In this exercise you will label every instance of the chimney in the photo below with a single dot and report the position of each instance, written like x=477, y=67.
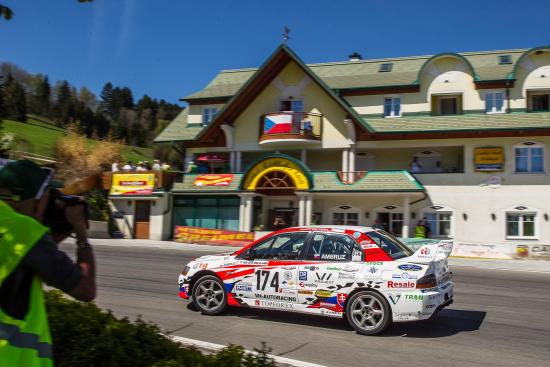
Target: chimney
x=355, y=57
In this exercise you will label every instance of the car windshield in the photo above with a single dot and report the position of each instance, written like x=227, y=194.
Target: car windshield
x=391, y=245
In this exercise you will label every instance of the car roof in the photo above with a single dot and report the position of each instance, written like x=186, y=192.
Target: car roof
x=328, y=226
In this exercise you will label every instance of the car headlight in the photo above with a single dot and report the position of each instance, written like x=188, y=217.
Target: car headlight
x=185, y=270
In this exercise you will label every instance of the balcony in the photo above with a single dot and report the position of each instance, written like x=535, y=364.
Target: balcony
x=163, y=179
x=291, y=127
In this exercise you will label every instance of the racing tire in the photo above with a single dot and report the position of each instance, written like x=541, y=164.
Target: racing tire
x=209, y=296
x=368, y=312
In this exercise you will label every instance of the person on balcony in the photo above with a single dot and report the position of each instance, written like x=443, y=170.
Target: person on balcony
x=114, y=166
x=308, y=128
x=156, y=165
x=128, y=167
x=415, y=166
x=420, y=230
x=191, y=167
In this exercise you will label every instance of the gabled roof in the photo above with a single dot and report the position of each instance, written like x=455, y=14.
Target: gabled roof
x=260, y=80
x=178, y=130
x=373, y=181
x=365, y=73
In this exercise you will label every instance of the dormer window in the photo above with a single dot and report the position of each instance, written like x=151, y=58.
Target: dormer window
x=208, y=114
x=292, y=105
x=385, y=67
x=494, y=102
x=392, y=106
x=504, y=59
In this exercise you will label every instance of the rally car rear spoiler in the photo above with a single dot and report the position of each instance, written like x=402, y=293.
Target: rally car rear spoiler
x=430, y=253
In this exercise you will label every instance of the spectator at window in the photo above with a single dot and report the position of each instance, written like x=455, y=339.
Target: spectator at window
x=415, y=166
x=128, y=167
x=141, y=167
x=438, y=167
x=114, y=167
x=156, y=165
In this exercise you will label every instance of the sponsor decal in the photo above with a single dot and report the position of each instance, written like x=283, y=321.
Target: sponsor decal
x=288, y=268
x=326, y=304
x=425, y=251
x=288, y=275
x=403, y=276
x=311, y=268
x=213, y=180
x=307, y=285
x=429, y=290
x=302, y=275
x=327, y=312
x=323, y=278
x=342, y=275
x=409, y=267
x=200, y=266
x=373, y=269
x=304, y=291
x=276, y=297
x=322, y=293
x=334, y=268
x=274, y=304
x=341, y=298
x=398, y=316
x=374, y=263
x=333, y=257
x=287, y=291
x=350, y=268
x=255, y=262
x=243, y=288
x=394, y=298
x=430, y=306
x=393, y=284
x=357, y=234
x=414, y=297
x=132, y=184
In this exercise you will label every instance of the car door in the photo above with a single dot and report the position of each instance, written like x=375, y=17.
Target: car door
x=274, y=284
x=332, y=263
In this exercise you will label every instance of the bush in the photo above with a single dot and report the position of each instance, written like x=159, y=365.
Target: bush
x=84, y=335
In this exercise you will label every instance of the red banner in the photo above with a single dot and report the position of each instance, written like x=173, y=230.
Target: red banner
x=209, y=236
x=224, y=179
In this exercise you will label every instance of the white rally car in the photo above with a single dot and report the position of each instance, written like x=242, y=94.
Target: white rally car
x=362, y=274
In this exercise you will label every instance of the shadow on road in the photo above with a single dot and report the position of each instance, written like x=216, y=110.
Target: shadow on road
x=448, y=322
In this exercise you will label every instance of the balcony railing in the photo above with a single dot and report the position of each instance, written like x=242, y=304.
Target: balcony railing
x=284, y=125
x=163, y=179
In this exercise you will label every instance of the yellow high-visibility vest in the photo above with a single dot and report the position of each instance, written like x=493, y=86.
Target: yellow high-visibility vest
x=24, y=342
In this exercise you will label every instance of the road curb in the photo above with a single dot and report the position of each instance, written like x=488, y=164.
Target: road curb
x=212, y=347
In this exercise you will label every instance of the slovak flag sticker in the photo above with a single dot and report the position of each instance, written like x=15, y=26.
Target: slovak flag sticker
x=278, y=124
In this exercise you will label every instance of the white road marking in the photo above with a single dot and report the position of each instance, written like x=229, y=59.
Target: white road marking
x=216, y=347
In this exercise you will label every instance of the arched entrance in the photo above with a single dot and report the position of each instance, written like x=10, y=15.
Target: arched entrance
x=278, y=179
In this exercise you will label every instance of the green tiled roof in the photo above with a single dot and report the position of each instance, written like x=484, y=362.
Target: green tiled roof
x=187, y=185
x=461, y=122
x=374, y=181
x=178, y=130
x=365, y=74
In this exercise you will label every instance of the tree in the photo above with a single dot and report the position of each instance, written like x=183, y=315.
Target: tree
x=14, y=100
x=64, y=109
x=86, y=97
x=42, y=97
x=106, y=100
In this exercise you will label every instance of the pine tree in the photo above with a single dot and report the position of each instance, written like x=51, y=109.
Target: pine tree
x=15, y=102
x=65, y=106
x=43, y=97
x=106, y=100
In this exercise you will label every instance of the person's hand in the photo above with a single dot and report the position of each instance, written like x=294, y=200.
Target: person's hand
x=76, y=216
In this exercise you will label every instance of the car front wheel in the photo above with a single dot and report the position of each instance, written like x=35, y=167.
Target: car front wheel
x=368, y=312
x=209, y=295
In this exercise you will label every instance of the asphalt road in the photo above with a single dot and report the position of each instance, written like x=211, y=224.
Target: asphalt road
x=499, y=318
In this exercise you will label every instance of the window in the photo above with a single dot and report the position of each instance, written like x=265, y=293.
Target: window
x=294, y=105
x=448, y=106
x=540, y=102
x=504, y=59
x=208, y=114
x=220, y=212
x=391, y=245
x=392, y=106
x=529, y=157
x=350, y=219
x=494, y=102
x=520, y=225
x=285, y=246
x=439, y=223
x=334, y=247
x=385, y=67
x=392, y=222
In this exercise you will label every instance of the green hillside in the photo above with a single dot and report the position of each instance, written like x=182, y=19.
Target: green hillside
x=39, y=137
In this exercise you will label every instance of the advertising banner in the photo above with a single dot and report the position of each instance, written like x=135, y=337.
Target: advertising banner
x=186, y=234
x=132, y=184
x=224, y=179
x=489, y=159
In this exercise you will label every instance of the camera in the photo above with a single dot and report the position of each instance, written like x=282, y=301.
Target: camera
x=54, y=216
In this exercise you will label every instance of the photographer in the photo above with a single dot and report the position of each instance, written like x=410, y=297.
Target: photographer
x=29, y=255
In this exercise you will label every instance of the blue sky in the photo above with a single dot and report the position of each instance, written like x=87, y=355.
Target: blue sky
x=169, y=49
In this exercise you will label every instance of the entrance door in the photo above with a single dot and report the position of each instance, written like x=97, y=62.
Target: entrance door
x=280, y=218
x=142, y=218
x=392, y=222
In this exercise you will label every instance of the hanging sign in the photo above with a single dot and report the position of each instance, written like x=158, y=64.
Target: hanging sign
x=213, y=180
x=132, y=184
x=489, y=159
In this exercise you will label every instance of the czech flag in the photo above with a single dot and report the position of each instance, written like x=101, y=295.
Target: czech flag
x=278, y=124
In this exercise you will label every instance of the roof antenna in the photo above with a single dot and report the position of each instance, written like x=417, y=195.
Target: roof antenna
x=285, y=34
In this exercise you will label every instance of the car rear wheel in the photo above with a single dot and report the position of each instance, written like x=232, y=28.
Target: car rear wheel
x=368, y=312
x=209, y=295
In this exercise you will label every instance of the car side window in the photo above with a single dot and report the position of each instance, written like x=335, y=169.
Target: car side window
x=285, y=246
x=333, y=247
